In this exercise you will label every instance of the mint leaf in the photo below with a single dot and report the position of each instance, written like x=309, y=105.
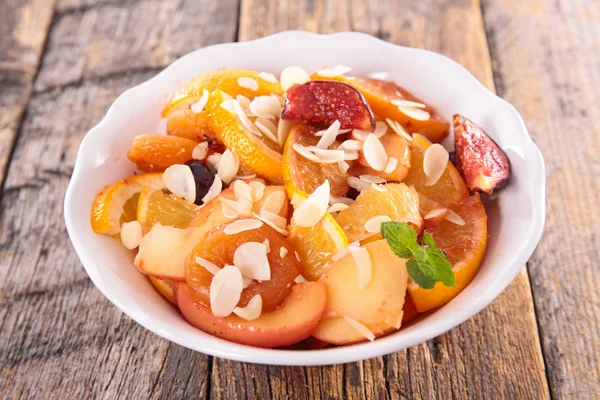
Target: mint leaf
x=426, y=265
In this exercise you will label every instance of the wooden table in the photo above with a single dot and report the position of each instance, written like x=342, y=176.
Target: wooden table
x=62, y=62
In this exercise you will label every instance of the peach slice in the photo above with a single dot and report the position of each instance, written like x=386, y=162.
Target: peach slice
x=395, y=146
x=165, y=288
x=290, y=323
x=324, y=102
x=479, y=159
x=383, y=297
x=337, y=330
x=155, y=152
x=163, y=250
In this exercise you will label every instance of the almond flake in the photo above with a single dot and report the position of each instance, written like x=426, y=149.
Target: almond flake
x=200, y=104
x=372, y=178
x=300, y=279
x=312, y=210
x=414, y=113
x=362, y=260
x=179, y=180
x=243, y=101
x=228, y=166
x=267, y=76
x=435, y=161
x=436, y=212
x=283, y=130
x=267, y=128
x=246, y=281
x=304, y=152
x=246, y=123
x=374, y=153
x=242, y=190
x=248, y=83
x=274, y=201
x=344, y=166
x=200, y=151
x=380, y=129
x=229, y=105
x=131, y=234
x=345, y=251
x=213, y=160
x=350, y=155
x=251, y=259
x=225, y=291
x=330, y=135
x=340, y=199
x=242, y=225
x=207, y=265
x=399, y=129
x=358, y=184
x=245, y=177
x=380, y=188
x=408, y=103
x=284, y=232
x=293, y=75
x=265, y=106
x=353, y=145
x=276, y=219
x=391, y=166
x=252, y=310
x=258, y=190
x=228, y=212
x=266, y=243
x=326, y=156
x=297, y=256
x=332, y=72
x=283, y=252
x=373, y=224
x=360, y=135
x=240, y=206
x=360, y=328
x=337, y=207
x=455, y=218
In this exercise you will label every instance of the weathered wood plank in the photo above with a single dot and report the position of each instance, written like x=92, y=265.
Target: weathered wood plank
x=546, y=62
x=23, y=29
x=488, y=356
x=59, y=336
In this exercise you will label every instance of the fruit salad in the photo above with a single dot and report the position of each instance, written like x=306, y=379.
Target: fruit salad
x=308, y=210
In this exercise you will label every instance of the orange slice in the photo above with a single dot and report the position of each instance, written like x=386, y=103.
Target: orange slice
x=380, y=94
x=225, y=80
x=158, y=152
x=116, y=204
x=156, y=206
x=465, y=247
x=316, y=245
x=256, y=153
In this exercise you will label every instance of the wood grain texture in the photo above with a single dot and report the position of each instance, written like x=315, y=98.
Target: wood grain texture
x=547, y=63
x=23, y=29
x=59, y=336
x=502, y=341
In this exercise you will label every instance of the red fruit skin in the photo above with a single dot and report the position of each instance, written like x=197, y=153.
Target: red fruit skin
x=323, y=102
x=479, y=159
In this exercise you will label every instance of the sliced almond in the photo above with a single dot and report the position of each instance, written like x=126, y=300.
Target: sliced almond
x=241, y=206
x=373, y=224
x=312, y=210
x=326, y=156
x=274, y=201
x=274, y=218
x=284, y=126
x=283, y=252
x=360, y=328
x=399, y=129
x=228, y=212
x=380, y=129
x=245, y=177
x=267, y=128
x=407, y=103
x=362, y=260
x=225, y=290
x=358, y=183
x=258, y=190
x=265, y=106
x=340, y=199
x=179, y=180
x=300, y=279
x=414, y=113
x=380, y=188
x=435, y=161
x=293, y=75
x=435, y=213
x=297, y=256
x=131, y=234
x=455, y=218
x=251, y=259
x=391, y=166
x=207, y=265
x=242, y=190
x=332, y=72
x=374, y=153
x=200, y=151
x=266, y=243
x=345, y=251
x=198, y=107
x=343, y=166
x=213, y=160
x=372, y=178
x=243, y=101
x=252, y=310
x=353, y=145
x=304, y=152
x=248, y=83
x=337, y=207
x=242, y=225
x=330, y=135
x=272, y=224
x=228, y=166
x=267, y=76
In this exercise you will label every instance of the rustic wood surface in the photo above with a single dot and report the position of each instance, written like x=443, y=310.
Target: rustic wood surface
x=61, y=65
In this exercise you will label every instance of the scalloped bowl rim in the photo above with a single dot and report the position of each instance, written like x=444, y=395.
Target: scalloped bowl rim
x=527, y=153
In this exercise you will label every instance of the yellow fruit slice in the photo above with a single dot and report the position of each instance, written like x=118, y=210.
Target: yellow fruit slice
x=317, y=244
x=256, y=153
x=156, y=206
x=225, y=80
x=465, y=247
x=165, y=288
x=447, y=190
x=399, y=202
x=113, y=206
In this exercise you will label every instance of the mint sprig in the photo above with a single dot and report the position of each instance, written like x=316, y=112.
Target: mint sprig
x=426, y=264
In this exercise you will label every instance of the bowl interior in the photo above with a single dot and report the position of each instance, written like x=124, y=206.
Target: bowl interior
x=515, y=215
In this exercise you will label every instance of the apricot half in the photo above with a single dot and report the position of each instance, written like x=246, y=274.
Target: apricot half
x=290, y=323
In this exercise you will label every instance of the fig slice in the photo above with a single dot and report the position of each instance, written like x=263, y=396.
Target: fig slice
x=479, y=159
x=323, y=102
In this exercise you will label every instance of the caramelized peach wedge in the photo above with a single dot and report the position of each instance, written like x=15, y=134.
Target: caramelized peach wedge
x=303, y=208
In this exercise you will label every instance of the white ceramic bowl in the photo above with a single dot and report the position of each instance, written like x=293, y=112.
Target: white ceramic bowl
x=516, y=217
